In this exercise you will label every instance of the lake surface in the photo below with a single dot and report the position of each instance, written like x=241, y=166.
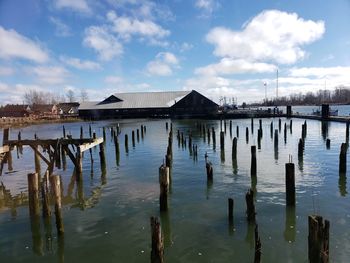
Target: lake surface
x=107, y=219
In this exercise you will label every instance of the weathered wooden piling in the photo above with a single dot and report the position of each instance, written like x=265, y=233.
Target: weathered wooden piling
x=126, y=141
x=291, y=126
x=102, y=157
x=237, y=131
x=79, y=165
x=137, y=135
x=247, y=134
x=45, y=196
x=213, y=135
x=56, y=186
x=157, y=253
x=257, y=254
x=209, y=169
x=290, y=184
x=318, y=239
x=342, y=158
x=271, y=129
x=347, y=131
x=104, y=134
x=142, y=131
x=301, y=147
x=285, y=133
x=234, y=148
x=225, y=125
x=208, y=134
x=231, y=127
x=249, y=198
x=328, y=143
x=164, y=180
x=33, y=194
x=259, y=139
x=253, y=160
x=279, y=124
x=166, y=126
x=133, y=138
x=276, y=139
x=117, y=151
x=260, y=124
x=222, y=140
x=64, y=131
x=230, y=210
x=90, y=131
x=252, y=125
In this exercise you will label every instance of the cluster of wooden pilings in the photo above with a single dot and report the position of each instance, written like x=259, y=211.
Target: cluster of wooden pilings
x=318, y=239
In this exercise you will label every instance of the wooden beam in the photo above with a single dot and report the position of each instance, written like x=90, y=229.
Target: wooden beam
x=48, y=142
x=70, y=154
x=4, y=149
x=87, y=146
x=40, y=154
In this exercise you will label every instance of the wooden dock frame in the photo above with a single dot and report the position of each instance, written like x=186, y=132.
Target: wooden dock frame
x=55, y=148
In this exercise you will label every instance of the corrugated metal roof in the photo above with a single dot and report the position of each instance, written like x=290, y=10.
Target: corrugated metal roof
x=138, y=100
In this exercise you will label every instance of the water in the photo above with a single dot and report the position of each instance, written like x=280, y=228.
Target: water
x=343, y=110
x=108, y=220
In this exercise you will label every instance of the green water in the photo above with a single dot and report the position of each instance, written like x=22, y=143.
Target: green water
x=107, y=219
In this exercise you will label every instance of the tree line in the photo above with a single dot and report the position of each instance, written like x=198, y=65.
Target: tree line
x=40, y=97
x=340, y=95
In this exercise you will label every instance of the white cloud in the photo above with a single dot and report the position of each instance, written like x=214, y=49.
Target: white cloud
x=163, y=64
x=50, y=75
x=228, y=66
x=185, y=47
x=14, y=45
x=270, y=36
x=104, y=43
x=6, y=71
x=75, y=5
x=80, y=64
x=126, y=27
x=320, y=72
x=62, y=30
x=208, y=6
x=114, y=80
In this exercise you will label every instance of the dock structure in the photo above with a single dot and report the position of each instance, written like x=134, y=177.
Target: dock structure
x=55, y=149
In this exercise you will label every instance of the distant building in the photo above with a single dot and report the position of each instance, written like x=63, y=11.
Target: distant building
x=15, y=110
x=68, y=109
x=44, y=110
x=150, y=104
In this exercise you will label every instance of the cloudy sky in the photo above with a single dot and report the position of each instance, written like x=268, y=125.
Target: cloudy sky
x=217, y=47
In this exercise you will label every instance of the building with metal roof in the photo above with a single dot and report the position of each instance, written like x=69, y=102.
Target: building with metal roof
x=149, y=104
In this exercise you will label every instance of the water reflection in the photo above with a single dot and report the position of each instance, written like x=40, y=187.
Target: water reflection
x=249, y=238
x=166, y=228
x=37, y=240
x=234, y=166
x=290, y=225
x=222, y=155
x=324, y=129
x=209, y=188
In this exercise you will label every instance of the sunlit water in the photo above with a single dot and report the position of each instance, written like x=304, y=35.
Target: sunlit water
x=109, y=220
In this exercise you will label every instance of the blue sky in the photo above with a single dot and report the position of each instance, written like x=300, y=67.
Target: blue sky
x=217, y=47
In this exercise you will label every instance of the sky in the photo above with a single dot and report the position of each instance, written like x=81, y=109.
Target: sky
x=221, y=48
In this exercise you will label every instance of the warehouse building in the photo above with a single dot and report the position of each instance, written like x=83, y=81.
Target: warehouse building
x=177, y=104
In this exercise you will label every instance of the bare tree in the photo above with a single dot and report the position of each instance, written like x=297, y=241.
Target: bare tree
x=83, y=95
x=70, y=96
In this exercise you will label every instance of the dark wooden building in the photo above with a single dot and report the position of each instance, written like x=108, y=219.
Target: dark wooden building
x=15, y=110
x=176, y=104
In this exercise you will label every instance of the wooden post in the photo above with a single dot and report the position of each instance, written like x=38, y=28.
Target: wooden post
x=5, y=136
x=37, y=160
x=279, y=124
x=166, y=125
x=138, y=135
x=285, y=133
x=253, y=161
x=157, y=253
x=271, y=129
x=56, y=186
x=79, y=165
x=45, y=196
x=209, y=169
x=222, y=140
x=257, y=255
x=260, y=124
x=291, y=126
x=247, y=134
x=102, y=158
x=164, y=187
x=342, y=158
x=104, y=134
x=237, y=131
x=328, y=143
x=301, y=147
x=347, y=131
x=126, y=141
x=208, y=133
x=90, y=131
x=133, y=138
x=117, y=152
x=231, y=127
x=64, y=131
x=94, y=135
x=290, y=184
x=142, y=131
x=249, y=198
x=230, y=210
x=259, y=138
x=318, y=239
x=234, y=149
x=276, y=139
x=81, y=132
x=252, y=125
x=213, y=135
x=33, y=194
